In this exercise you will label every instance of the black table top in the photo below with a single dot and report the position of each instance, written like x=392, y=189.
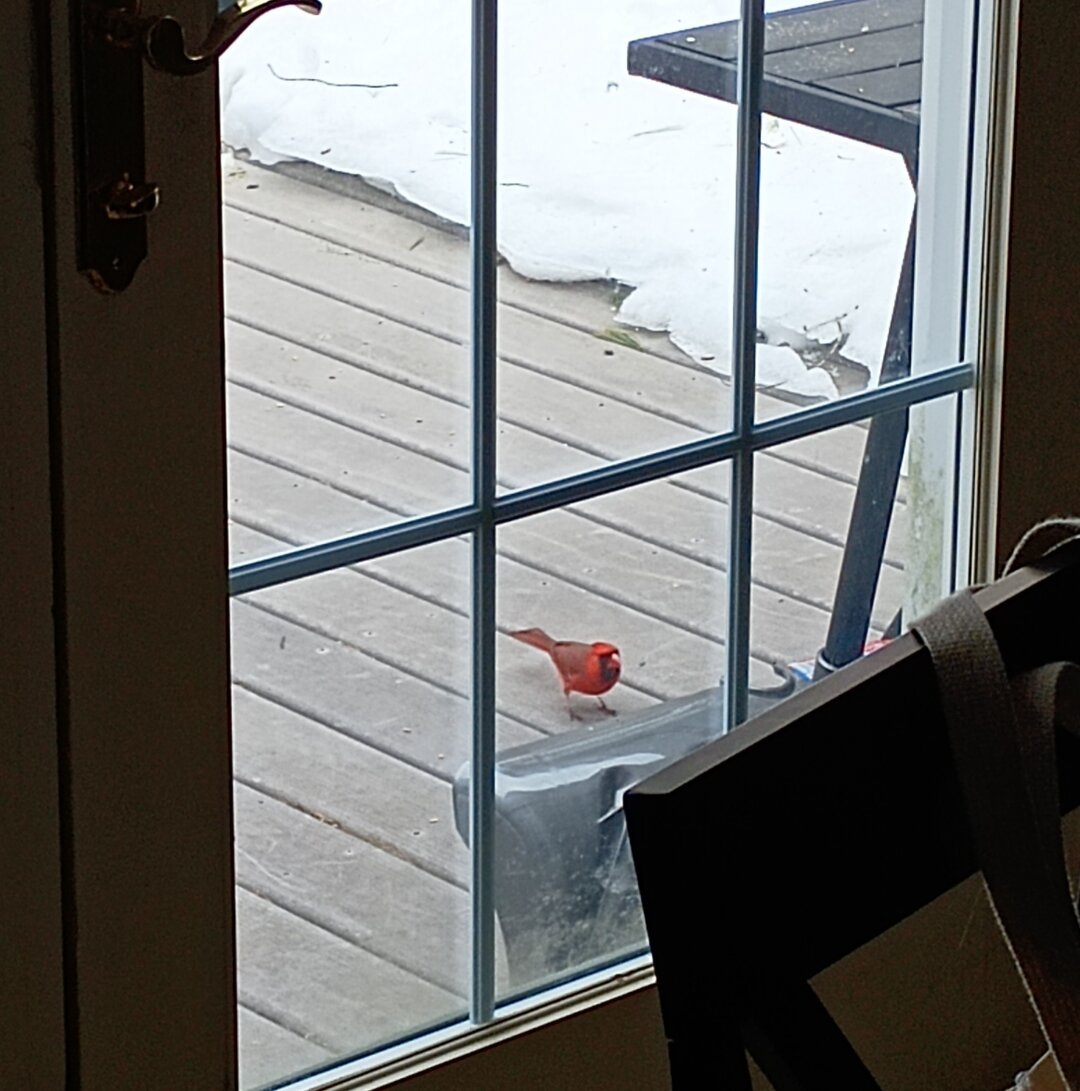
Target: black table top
x=851, y=67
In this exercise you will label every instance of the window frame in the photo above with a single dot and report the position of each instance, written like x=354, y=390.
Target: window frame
x=487, y=511
x=128, y=392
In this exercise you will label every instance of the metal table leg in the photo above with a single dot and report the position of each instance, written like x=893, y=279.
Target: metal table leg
x=874, y=496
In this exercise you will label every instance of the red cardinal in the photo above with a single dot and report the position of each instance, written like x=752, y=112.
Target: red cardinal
x=583, y=668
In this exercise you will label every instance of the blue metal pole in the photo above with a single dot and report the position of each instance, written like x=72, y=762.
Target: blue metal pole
x=743, y=357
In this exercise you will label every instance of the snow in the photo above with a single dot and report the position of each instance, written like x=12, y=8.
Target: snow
x=601, y=174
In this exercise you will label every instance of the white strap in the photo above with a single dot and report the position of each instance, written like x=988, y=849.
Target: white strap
x=1041, y=539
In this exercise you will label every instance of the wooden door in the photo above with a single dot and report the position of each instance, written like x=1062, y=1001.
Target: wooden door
x=119, y=836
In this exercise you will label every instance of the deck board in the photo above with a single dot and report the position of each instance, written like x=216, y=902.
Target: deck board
x=371, y=290
x=399, y=914
x=286, y=503
x=439, y=255
x=377, y=701
x=578, y=560
x=395, y=363
x=355, y=432
x=298, y=760
x=431, y=640
x=657, y=609
x=328, y=990
x=267, y=1049
x=348, y=388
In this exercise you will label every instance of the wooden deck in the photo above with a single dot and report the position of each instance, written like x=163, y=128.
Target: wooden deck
x=348, y=409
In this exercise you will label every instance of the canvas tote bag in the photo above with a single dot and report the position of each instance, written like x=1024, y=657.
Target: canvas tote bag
x=1001, y=733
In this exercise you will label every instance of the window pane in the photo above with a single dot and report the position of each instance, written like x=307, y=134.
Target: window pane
x=852, y=290
x=841, y=593
x=347, y=185
x=835, y=209
x=346, y=291
x=618, y=189
x=351, y=718
x=835, y=215
x=641, y=572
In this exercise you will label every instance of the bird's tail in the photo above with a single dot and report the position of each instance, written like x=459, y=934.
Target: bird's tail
x=536, y=637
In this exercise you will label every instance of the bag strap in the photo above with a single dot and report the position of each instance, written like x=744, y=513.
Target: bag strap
x=1002, y=741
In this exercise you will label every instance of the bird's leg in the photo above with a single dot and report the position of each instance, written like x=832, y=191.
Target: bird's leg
x=570, y=708
x=609, y=711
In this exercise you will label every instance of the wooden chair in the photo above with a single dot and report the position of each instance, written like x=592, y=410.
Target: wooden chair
x=775, y=851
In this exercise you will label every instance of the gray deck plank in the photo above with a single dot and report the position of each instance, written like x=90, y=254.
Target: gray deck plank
x=539, y=439
x=537, y=442
x=424, y=248
x=284, y=427
x=607, y=586
x=332, y=992
x=442, y=256
x=375, y=701
x=398, y=480
x=662, y=660
x=526, y=396
x=370, y=898
x=316, y=768
x=268, y=1050
x=569, y=557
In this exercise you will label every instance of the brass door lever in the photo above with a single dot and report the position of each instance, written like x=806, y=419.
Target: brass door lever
x=164, y=38
x=113, y=194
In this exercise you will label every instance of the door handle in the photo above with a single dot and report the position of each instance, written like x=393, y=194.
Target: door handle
x=113, y=194
x=164, y=39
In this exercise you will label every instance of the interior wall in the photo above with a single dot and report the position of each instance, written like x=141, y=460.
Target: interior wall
x=609, y=1047
x=1040, y=470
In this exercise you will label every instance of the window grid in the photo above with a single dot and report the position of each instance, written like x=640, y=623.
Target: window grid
x=483, y=303
x=307, y=561
x=487, y=511
x=744, y=356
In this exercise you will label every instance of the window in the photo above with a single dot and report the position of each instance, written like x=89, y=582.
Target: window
x=698, y=459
